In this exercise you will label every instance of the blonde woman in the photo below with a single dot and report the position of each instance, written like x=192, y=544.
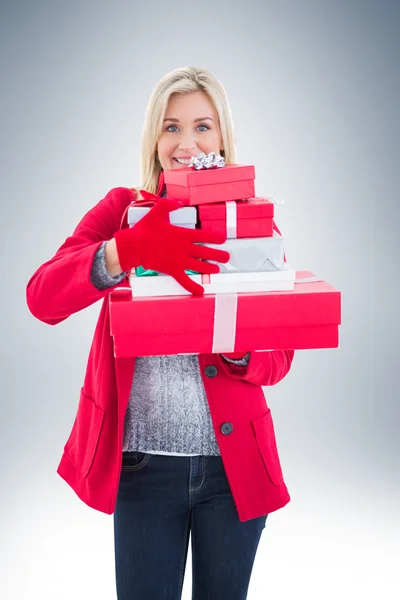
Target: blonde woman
x=170, y=445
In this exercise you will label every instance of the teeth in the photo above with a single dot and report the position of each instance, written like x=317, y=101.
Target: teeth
x=184, y=161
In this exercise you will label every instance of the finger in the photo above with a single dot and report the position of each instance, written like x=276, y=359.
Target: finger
x=201, y=266
x=209, y=253
x=183, y=233
x=212, y=237
x=165, y=205
x=191, y=286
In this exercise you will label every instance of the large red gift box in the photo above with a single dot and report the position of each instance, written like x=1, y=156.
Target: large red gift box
x=220, y=184
x=239, y=219
x=307, y=317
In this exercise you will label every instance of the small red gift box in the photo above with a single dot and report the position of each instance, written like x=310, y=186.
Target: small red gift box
x=245, y=218
x=205, y=186
x=306, y=317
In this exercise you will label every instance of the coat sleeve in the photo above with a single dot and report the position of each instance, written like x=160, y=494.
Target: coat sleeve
x=99, y=275
x=62, y=286
x=264, y=368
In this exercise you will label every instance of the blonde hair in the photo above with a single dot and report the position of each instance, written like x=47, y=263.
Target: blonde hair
x=181, y=81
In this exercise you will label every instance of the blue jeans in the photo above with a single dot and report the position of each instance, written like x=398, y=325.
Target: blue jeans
x=160, y=500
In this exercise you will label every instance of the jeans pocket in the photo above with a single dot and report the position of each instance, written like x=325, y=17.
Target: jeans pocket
x=134, y=461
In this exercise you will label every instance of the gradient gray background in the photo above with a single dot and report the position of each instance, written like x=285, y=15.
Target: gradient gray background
x=314, y=88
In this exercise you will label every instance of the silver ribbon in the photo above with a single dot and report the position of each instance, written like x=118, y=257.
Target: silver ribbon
x=207, y=161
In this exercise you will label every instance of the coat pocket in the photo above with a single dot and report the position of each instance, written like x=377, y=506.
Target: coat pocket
x=264, y=432
x=84, y=437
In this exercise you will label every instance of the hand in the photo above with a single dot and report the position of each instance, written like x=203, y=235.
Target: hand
x=156, y=244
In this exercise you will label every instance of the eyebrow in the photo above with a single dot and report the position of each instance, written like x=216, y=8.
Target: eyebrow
x=195, y=121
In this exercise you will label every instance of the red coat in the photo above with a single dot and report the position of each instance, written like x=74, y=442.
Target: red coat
x=91, y=461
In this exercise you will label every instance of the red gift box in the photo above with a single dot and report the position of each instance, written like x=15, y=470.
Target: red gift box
x=205, y=186
x=307, y=317
x=241, y=219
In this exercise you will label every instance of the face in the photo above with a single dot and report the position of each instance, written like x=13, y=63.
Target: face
x=190, y=126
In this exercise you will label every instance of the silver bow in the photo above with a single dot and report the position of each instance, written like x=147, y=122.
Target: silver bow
x=207, y=161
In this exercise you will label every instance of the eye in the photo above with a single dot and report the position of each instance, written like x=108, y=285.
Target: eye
x=206, y=128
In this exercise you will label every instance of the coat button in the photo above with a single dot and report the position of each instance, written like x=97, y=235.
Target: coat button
x=226, y=428
x=211, y=371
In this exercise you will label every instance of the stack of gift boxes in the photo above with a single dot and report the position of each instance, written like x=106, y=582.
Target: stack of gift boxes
x=256, y=251
x=256, y=301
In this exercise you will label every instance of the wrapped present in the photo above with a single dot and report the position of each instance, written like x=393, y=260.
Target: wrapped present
x=306, y=317
x=183, y=217
x=239, y=219
x=193, y=187
x=218, y=283
x=252, y=254
x=247, y=255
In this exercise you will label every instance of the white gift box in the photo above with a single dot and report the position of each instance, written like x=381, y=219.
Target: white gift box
x=218, y=283
x=183, y=217
x=250, y=255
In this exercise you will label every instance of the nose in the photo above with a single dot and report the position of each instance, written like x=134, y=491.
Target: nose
x=187, y=143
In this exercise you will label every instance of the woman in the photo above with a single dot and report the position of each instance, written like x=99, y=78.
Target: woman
x=168, y=444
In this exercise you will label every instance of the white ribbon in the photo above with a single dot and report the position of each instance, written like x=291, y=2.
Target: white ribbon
x=231, y=219
x=224, y=330
x=225, y=319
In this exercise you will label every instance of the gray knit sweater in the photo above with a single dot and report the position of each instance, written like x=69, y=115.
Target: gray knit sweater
x=168, y=411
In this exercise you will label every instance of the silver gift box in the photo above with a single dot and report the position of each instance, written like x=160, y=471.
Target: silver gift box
x=184, y=217
x=252, y=254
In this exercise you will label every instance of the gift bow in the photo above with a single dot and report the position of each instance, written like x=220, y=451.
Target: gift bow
x=207, y=161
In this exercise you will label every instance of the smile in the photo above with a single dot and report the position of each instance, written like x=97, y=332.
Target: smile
x=183, y=161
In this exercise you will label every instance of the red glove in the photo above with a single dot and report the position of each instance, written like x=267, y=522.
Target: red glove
x=154, y=243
